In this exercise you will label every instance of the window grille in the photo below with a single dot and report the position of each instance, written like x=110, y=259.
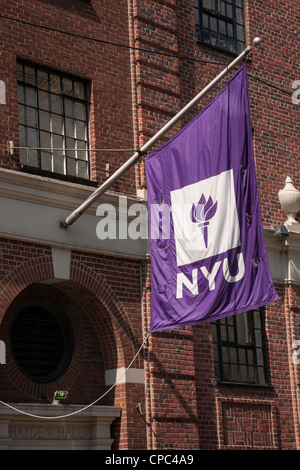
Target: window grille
x=221, y=24
x=53, y=121
x=41, y=342
x=239, y=343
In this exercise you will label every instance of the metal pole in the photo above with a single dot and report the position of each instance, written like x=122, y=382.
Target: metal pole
x=144, y=149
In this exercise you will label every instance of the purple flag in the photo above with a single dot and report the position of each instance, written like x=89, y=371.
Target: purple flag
x=208, y=256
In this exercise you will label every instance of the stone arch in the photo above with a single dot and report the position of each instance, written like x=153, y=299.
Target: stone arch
x=29, y=272
x=40, y=269
x=123, y=329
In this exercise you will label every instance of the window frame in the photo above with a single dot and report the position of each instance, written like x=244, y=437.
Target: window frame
x=219, y=342
x=218, y=16
x=67, y=156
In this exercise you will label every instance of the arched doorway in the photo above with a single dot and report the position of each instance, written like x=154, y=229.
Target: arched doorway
x=83, y=319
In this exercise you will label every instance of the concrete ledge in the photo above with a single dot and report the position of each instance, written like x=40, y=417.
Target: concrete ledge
x=86, y=430
x=134, y=376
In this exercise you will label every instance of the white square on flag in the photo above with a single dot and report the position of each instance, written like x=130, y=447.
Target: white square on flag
x=205, y=218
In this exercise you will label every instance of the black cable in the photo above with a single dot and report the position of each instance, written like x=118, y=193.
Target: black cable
x=126, y=46
x=270, y=85
x=110, y=43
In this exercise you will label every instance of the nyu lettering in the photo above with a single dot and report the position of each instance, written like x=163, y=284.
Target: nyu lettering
x=192, y=285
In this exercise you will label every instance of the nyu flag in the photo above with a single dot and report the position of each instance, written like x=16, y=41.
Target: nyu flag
x=208, y=257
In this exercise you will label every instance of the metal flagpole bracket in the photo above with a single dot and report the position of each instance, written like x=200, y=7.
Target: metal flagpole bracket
x=10, y=148
x=144, y=149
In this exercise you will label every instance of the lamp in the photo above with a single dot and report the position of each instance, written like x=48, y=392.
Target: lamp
x=289, y=198
x=58, y=396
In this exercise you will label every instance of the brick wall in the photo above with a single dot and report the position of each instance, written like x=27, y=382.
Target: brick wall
x=103, y=304
x=184, y=392
x=108, y=298
x=73, y=38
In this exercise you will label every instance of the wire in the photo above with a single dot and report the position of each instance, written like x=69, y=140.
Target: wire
x=126, y=46
x=52, y=149
x=270, y=84
x=86, y=407
x=110, y=43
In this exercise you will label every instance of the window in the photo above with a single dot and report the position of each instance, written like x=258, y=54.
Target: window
x=221, y=24
x=240, y=348
x=53, y=121
x=41, y=342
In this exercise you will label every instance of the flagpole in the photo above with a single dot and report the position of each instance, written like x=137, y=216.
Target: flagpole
x=144, y=149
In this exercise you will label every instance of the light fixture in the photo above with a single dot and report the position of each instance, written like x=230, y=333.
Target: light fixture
x=58, y=396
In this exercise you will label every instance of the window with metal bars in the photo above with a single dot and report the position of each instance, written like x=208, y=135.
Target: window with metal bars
x=221, y=24
x=41, y=342
x=53, y=121
x=240, y=353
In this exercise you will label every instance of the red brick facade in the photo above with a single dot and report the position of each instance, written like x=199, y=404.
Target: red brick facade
x=134, y=92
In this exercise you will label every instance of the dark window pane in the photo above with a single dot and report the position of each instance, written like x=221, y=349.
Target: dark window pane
x=42, y=80
x=32, y=157
x=56, y=104
x=22, y=136
x=29, y=75
x=240, y=32
x=82, y=169
x=44, y=100
x=220, y=24
x=229, y=11
x=79, y=91
x=55, y=83
x=70, y=127
x=32, y=137
x=21, y=114
x=239, y=16
x=46, y=161
x=205, y=21
x=67, y=86
x=240, y=348
x=208, y=4
x=81, y=130
x=57, y=124
x=58, y=164
x=21, y=94
x=30, y=96
x=80, y=111
x=223, y=8
x=58, y=143
x=71, y=163
x=69, y=108
x=20, y=72
x=45, y=120
x=31, y=117
x=213, y=24
x=45, y=138
x=222, y=27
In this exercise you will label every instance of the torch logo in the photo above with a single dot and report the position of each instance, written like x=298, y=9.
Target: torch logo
x=202, y=213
